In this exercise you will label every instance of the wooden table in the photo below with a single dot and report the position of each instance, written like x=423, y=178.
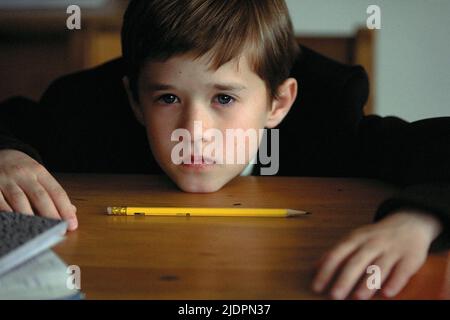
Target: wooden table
x=215, y=257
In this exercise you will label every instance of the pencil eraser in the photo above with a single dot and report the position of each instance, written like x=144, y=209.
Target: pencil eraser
x=108, y=210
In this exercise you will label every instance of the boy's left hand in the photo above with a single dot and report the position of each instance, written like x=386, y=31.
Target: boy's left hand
x=398, y=245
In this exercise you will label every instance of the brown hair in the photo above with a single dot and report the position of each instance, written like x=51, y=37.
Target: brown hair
x=160, y=29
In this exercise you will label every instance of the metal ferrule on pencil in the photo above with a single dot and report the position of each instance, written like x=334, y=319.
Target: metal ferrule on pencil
x=122, y=211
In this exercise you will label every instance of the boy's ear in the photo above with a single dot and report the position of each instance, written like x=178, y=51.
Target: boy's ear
x=287, y=92
x=137, y=110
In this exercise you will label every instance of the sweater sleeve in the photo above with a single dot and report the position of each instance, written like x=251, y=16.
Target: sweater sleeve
x=415, y=156
x=433, y=197
x=21, y=126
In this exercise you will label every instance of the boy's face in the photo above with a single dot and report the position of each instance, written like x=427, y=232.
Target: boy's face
x=175, y=93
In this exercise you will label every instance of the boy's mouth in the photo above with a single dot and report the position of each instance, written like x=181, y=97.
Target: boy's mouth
x=199, y=162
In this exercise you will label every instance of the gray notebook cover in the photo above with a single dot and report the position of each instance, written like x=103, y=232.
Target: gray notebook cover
x=22, y=237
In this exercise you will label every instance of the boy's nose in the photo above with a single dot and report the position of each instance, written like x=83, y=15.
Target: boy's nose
x=196, y=120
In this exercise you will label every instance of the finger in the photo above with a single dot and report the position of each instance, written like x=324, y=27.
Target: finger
x=61, y=200
x=41, y=200
x=4, y=206
x=352, y=271
x=401, y=274
x=72, y=221
x=17, y=199
x=331, y=263
x=385, y=264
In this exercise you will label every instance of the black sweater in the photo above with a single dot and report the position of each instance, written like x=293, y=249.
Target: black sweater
x=83, y=123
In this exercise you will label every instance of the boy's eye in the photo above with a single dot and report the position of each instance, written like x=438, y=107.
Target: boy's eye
x=168, y=98
x=224, y=99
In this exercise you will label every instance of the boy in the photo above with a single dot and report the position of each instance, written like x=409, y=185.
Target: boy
x=227, y=64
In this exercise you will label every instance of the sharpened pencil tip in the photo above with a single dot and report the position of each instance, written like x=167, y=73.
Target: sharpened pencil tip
x=295, y=213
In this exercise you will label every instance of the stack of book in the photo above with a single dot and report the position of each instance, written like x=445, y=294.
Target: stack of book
x=28, y=268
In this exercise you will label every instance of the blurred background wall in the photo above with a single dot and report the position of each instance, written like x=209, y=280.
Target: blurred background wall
x=408, y=60
x=412, y=49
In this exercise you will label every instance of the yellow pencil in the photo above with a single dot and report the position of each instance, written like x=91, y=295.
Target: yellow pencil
x=205, y=212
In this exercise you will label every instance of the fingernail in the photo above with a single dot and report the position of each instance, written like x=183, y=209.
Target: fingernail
x=389, y=293
x=362, y=295
x=317, y=287
x=73, y=223
x=337, y=294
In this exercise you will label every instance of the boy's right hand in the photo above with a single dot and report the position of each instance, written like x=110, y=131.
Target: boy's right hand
x=27, y=187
